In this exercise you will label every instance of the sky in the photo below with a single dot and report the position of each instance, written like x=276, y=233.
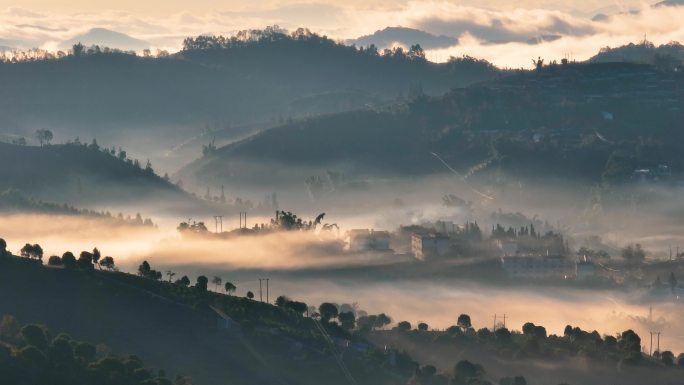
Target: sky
x=495, y=30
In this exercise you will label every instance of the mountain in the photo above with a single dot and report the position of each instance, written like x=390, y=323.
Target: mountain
x=530, y=125
x=406, y=37
x=79, y=173
x=106, y=38
x=150, y=105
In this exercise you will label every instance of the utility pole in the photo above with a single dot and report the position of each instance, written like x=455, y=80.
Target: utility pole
x=218, y=222
x=494, y=328
x=504, y=320
x=650, y=349
x=243, y=219
x=267, y=301
x=261, y=297
x=658, y=333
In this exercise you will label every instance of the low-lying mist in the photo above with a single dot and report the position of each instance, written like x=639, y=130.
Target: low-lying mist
x=313, y=267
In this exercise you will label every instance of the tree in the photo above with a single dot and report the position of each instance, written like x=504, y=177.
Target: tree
x=78, y=49
x=183, y=281
x=297, y=307
x=347, y=320
x=201, y=283
x=404, y=326
x=144, y=269
x=170, y=274
x=34, y=335
x=250, y=295
x=464, y=322
x=423, y=326
x=69, y=260
x=466, y=372
x=96, y=255
x=281, y=301
x=85, y=260
x=107, y=263
x=55, y=260
x=43, y=136
x=327, y=311
x=217, y=282
x=3, y=248
x=667, y=358
x=230, y=288
x=32, y=251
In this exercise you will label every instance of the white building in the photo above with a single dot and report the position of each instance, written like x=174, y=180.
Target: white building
x=425, y=246
x=368, y=240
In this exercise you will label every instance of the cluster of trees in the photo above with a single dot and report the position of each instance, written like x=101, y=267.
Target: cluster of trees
x=87, y=260
x=14, y=200
x=202, y=283
x=30, y=355
x=464, y=372
x=274, y=33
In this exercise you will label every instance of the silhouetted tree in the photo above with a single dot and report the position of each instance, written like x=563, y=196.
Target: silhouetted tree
x=34, y=335
x=144, y=269
x=183, y=281
x=43, y=136
x=423, y=326
x=55, y=260
x=201, y=283
x=107, y=263
x=230, y=288
x=69, y=260
x=464, y=322
x=347, y=320
x=217, y=282
x=328, y=311
x=404, y=326
x=250, y=295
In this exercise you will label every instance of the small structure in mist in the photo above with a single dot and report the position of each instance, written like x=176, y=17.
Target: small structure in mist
x=431, y=245
x=368, y=240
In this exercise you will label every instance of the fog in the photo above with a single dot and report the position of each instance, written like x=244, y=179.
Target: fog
x=312, y=267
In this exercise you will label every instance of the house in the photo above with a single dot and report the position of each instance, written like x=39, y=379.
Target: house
x=538, y=267
x=368, y=240
x=426, y=246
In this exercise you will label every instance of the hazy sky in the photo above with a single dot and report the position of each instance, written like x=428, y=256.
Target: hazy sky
x=496, y=30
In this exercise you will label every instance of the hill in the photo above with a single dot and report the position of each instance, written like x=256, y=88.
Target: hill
x=81, y=173
x=29, y=355
x=151, y=104
x=106, y=38
x=576, y=121
x=665, y=57
x=212, y=338
x=406, y=37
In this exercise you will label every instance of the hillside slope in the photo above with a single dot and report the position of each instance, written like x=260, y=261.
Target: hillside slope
x=267, y=78
x=584, y=121
x=78, y=173
x=171, y=326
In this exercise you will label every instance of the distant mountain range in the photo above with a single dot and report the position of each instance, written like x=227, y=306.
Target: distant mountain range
x=405, y=37
x=106, y=38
